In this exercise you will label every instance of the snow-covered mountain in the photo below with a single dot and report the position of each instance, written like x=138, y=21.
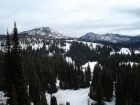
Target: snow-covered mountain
x=44, y=31
x=109, y=37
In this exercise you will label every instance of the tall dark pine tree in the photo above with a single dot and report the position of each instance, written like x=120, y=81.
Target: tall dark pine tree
x=7, y=44
x=107, y=83
x=88, y=76
x=53, y=100
x=96, y=77
x=119, y=92
x=18, y=93
x=7, y=72
x=89, y=71
x=99, y=94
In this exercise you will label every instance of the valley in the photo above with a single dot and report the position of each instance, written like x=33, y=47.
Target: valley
x=69, y=68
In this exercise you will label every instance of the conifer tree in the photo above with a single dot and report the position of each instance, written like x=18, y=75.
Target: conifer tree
x=52, y=85
x=96, y=77
x=43, y=99
x=34, y=89
x=99, y=94
x=7, y=44
x=14, y=96
x=119, y=92
x=82, y=84
x=107, y=83
x=89, y=71
x=16, y=80
x=8, y=83
x=136, y=86
x=88, y=75
x=53, y=100
x=67, y=103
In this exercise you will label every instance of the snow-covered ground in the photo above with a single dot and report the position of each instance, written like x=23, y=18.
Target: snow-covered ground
x=2, y=98
x=66, y=48
x=23, y=46
x=131, y=63
x=37, y=46
x=75, y=97
x=122, y=51
x=136, y=51
x=91, y=64
x=125, y=51
x=111, y=103
x=91, y=45
x=69, y=60
x=50, y=54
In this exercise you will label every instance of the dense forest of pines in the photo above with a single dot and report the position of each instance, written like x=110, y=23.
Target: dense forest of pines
x=36, y=73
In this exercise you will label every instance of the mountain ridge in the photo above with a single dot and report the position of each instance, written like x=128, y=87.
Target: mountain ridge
x=109, y=37
x=44, y=31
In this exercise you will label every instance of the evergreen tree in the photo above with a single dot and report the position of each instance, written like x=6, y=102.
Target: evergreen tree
x=7, y=44
x=99, y=94
x=88, y=76
x=14, y=96
x=67, y=103
x=51, y=79
x=119, y=92
x=16, y=80
x=96, y=77
x=107, y=83
x=9, y=88
x=136, y=86
x=82, y=84
x=34, y=89
x=89, y=71
x=53, y=100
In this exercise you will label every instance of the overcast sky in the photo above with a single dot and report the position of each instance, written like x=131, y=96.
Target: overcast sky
x=72, y=17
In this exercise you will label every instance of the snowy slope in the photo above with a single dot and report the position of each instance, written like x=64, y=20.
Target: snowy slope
x=2, y=98
x=91, y=64
x=109, y=37
x=44, y=31
x=125, y=51
x=66, y=48
x=75, y=97
x=69, y=60
x=131, y=63
x=91, y=45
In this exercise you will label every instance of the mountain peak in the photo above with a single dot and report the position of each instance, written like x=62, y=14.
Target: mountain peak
x=110, y=37
x=44, y=31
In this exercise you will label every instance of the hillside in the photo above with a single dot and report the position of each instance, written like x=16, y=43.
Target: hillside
x=63, y=64
x=109, y=37
x=45, y=32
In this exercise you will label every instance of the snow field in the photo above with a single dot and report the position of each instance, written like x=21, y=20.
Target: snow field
x=66, y=48
x=75, y=97
x=91, y=64
x=2, y=98
x=136, y=51
x=131, y=63
x=91, y=45
x=69, y=60
x=125, y=51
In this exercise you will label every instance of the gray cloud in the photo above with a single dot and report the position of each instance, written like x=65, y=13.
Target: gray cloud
x=72, y=18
